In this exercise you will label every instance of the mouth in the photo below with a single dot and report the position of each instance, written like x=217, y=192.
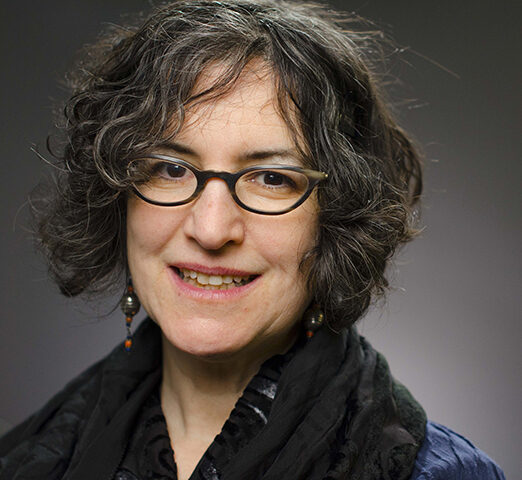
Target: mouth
x=213, y=281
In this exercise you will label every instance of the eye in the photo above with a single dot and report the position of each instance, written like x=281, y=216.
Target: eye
x=169, y=171
x=273, y=179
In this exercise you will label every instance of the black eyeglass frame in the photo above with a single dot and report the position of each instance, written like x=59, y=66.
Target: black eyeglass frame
x=203, y=176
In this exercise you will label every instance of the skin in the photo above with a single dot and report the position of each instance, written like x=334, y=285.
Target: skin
x=214, y=344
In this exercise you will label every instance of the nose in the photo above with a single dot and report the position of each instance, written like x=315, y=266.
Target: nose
x=215, y=220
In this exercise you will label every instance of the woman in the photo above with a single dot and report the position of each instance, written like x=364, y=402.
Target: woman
x=236, y=163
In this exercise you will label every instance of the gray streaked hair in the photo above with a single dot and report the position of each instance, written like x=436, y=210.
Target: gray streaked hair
x=135, y=83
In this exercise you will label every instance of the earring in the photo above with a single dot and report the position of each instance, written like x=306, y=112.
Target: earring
x=130, y=306
x=313, y=319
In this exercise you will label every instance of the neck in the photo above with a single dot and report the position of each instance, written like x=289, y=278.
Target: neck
x=197, y=395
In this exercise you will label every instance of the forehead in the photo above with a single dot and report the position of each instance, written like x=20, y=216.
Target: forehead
x=247, y=111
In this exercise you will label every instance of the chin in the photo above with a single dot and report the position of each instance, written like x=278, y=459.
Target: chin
x=209, y=341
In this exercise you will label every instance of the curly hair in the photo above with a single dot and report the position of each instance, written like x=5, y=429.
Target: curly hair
x=137, y=81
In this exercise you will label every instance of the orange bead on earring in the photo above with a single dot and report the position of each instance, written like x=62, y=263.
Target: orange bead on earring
x=130, y=306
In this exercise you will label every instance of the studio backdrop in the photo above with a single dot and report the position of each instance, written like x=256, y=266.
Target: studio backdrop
x=450, y=327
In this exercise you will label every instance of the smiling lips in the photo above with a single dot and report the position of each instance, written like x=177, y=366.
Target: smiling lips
x=212, y=281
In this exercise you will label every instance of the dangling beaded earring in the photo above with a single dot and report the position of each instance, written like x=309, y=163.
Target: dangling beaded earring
x=130, y=306
x=313, y=319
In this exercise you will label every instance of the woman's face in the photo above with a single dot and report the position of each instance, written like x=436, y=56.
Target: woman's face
x=214, y=239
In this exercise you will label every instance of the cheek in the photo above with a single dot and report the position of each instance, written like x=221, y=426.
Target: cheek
x=149, y=228
x=284, y=244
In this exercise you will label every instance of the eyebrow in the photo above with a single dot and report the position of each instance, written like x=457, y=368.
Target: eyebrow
x=249, y=155
x=179, y=148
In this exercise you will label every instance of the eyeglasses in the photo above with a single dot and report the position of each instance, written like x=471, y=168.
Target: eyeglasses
x=268, y=190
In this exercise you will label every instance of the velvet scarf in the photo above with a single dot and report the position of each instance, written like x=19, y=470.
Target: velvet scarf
x=337, y=414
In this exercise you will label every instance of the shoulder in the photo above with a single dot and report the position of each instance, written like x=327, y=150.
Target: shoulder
x=82, y=420
x=446, y=455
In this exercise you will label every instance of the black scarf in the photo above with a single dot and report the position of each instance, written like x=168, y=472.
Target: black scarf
x=338, y=414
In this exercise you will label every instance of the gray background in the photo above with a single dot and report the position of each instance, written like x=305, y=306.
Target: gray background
x=450, y=328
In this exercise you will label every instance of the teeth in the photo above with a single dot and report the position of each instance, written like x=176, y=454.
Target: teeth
x=212, y=282
x=203, y=278
x=215, y=280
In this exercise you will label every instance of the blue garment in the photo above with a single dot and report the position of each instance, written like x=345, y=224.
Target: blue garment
x=445, y=455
